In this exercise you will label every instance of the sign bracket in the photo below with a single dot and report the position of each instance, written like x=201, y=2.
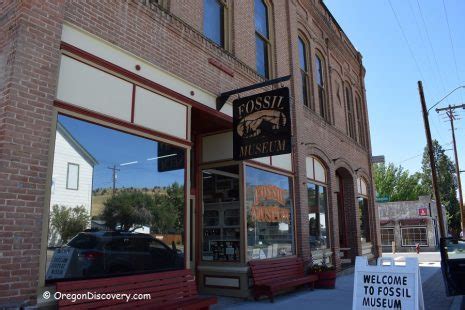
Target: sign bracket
x=223, y=97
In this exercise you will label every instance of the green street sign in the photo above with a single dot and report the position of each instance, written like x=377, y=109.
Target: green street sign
x=382, y=199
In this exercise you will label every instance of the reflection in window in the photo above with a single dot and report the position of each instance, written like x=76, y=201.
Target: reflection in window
x=213, y=21
x=318, y=216
x=269, y=214
x=303, y=71
x=320, y=81
x=364, y=221
x=127, y=214
x=221, y=214
x=262, y=37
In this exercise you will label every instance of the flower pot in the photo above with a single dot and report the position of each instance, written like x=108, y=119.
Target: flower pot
x=326, y=279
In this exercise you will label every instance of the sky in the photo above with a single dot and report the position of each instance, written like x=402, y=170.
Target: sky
x=394, y=66
x=135, y=157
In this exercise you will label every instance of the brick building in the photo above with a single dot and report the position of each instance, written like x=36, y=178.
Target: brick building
x=135, y=83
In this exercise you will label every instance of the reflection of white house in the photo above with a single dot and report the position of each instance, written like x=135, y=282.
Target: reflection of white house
x=73, y=168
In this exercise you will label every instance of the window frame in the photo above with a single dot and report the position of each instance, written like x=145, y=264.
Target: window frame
x=266, y=40
x=349, y=99
x=362, y=137
x=393, y=235
x=292, y=184
x=402, y=229
x=320, y=74
x=304, y=72
x=224, y=24
x=96, y=118
x=78, y=176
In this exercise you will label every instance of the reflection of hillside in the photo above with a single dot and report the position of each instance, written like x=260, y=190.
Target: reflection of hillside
x=100, y=195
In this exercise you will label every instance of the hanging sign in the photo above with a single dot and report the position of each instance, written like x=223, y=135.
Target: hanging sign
x=423, y=211
x=262, y=125
x=169, y=157
x=387, y=286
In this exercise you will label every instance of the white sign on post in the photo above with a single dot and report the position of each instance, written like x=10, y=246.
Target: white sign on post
x=387, y=286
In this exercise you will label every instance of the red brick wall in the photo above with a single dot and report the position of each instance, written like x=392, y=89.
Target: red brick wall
x=30, y=49
x=33, y=30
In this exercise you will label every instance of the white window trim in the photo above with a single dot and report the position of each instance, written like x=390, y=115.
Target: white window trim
x=67, y=176
x=412, y=245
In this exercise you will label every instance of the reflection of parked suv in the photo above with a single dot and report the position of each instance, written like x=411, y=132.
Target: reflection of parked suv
x=104, y=253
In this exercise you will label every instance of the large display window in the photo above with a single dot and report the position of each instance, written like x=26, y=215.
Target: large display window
x=221, y=214
x=117, y=203
x=270, y=211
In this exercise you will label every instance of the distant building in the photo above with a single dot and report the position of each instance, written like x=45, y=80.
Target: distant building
x=73, y=169
x=408, y=223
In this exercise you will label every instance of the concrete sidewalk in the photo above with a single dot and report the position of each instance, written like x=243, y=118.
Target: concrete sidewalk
x=341, y=297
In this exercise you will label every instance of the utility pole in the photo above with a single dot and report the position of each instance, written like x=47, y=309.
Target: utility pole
x=450, y=113
x=437, y=197
x=114, y=177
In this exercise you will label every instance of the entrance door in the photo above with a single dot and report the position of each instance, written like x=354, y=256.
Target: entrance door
x=341, y=214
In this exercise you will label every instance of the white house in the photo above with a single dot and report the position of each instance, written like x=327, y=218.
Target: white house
x=73, y=168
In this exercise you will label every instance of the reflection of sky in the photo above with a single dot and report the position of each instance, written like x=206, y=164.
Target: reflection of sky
x=111, y=147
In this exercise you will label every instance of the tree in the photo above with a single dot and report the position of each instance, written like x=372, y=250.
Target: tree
x=396, y=183
x=168, y=214
x=67, y=222
x=446, y=183
x=128, y=209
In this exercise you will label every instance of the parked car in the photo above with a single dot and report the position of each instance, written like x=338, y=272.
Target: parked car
x=102, y=253
x=453, y=265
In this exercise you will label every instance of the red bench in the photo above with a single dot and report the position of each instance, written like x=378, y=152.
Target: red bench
x=273, y=275
x=168, y=290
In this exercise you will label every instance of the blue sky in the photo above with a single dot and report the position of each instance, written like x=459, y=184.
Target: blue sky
x=396, y=122
x=128, y=152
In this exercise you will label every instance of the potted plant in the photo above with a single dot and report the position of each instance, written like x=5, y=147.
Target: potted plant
x=326, y=274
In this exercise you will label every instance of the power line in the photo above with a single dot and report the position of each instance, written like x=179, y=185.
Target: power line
x=406, y=39
x=431, y=46
x=452, y=46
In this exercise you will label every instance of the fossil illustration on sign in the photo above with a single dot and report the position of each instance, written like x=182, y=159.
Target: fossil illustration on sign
x=264, y=121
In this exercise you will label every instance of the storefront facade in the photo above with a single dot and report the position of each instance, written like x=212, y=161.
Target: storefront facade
x=113, y=143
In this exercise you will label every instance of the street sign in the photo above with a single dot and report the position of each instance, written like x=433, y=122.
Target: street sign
x=423, y=212
x=382, y=199
x=387, y=286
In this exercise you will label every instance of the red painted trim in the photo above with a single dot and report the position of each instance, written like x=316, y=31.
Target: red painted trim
x=133, y=103
x=268, y=167
x=218, y=64
x=186, y=209
x=105, y=118
x=139, y=79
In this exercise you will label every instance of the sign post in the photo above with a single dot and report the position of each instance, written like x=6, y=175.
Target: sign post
x=262, y=125
x=387, y=286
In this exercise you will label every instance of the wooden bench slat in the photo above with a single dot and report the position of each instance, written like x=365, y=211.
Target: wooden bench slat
x=273, y=275
x=174, y=289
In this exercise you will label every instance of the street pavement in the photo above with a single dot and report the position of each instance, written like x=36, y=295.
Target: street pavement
x=341, y=297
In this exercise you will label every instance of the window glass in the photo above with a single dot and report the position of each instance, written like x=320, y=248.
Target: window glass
x=413, y=235
x=262, y=56
x=387, y=236
x=364, y=222
x=317, y=216
x=319, y=71
x=221, y=214
x=261, y=18
x=131, y=195
x=269, y=214
x=302, y=55
x=213, y=21
x=72, y=181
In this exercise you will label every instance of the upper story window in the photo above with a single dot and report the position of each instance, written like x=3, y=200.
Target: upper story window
x=213, y=21
x=262, y=38
x=320, y=81
x=360, y=122
x=303, y=64
x=350, y=112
